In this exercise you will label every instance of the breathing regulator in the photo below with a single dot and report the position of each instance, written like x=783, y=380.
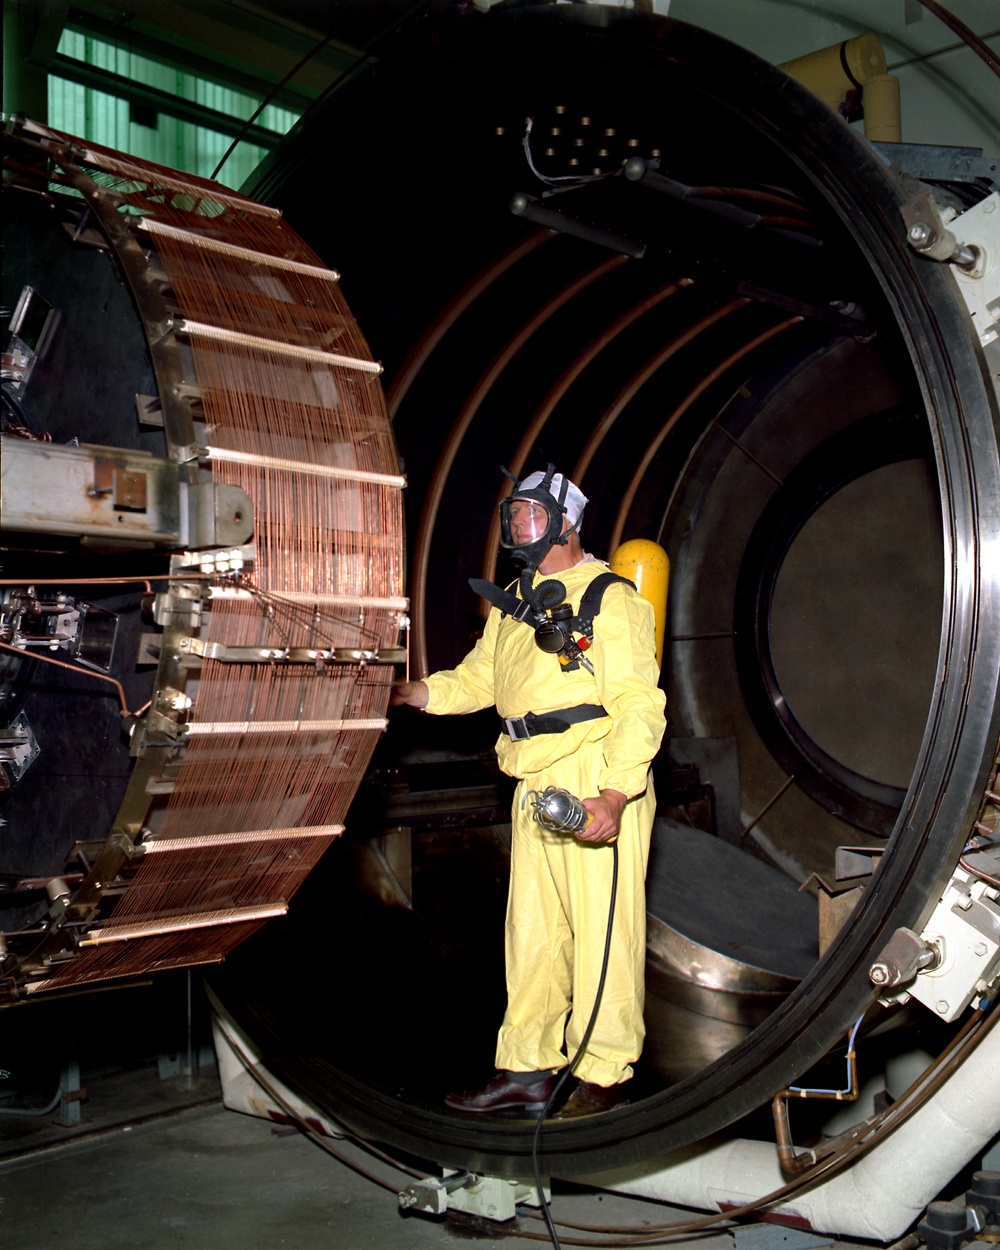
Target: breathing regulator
x=554, y=622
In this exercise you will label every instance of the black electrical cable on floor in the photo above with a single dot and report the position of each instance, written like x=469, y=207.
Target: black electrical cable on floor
x=567, y=1072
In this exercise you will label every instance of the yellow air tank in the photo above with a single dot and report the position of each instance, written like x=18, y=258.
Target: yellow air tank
x=648, y=565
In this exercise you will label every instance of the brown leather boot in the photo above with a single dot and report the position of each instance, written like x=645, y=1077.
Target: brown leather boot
x=591, y=1099
x=503, y=1093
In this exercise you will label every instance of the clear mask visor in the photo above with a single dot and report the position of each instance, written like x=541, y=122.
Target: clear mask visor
x=528, y=521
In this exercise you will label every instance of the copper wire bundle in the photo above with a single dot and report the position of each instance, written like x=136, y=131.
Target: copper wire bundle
x=293, y=413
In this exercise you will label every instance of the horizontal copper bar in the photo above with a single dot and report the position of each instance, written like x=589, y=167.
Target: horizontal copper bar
x=305, y=466
x=281, y=726
x=152, y=226
x=181, y=924
x=399, y=604
x=157, y=845
x=255, y=342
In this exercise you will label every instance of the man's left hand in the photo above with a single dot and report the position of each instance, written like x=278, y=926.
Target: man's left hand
x=606, y=810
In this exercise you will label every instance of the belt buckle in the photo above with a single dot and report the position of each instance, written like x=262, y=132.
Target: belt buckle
x=517, y=730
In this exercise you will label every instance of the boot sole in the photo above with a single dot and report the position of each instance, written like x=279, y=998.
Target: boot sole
x=528, y=1108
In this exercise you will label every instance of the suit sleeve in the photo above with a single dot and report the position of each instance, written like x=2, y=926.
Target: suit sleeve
x=469, y=686
x=624, y=659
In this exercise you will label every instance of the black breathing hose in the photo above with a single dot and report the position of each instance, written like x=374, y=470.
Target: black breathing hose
x=567, y=1072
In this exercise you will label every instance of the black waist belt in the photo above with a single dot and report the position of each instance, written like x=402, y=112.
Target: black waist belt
x=521, y=727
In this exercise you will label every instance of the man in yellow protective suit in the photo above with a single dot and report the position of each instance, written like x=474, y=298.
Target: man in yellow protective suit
x=587, y=721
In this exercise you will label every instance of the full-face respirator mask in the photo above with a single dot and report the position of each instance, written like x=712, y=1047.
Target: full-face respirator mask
x=531, y=523
x=531, y=517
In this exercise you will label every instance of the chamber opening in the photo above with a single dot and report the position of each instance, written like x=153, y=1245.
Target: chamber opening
x=692, y=354
x=749, y=365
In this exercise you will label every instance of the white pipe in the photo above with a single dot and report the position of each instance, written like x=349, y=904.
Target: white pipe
x=878, y=1197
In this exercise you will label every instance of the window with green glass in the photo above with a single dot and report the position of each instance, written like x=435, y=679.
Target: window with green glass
x=130, y=112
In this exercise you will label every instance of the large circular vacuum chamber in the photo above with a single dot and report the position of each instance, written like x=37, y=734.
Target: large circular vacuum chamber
x=748, y=365
x=617, y=243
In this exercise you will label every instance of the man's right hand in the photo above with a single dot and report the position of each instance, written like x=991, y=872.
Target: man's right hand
x=606, y=812
x=410, y=693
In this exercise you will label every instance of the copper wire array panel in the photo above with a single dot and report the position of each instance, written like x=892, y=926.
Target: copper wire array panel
x=292, y=412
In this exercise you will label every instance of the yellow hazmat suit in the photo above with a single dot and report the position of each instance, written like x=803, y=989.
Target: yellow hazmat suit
x=560, y=888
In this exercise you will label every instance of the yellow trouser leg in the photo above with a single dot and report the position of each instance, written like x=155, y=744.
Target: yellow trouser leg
x=557, y=919
x=539, y=952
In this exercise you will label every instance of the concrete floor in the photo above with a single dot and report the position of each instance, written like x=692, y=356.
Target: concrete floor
x=149, y=1159
x=162, y=1165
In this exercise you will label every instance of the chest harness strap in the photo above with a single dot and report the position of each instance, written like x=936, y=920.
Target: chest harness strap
x=553, y=620
x=554, y=624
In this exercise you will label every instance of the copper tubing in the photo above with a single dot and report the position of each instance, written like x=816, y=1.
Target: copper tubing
x=754, y=194
x=75, y=668
x=744, y=350
x=103, y=581
x=965, y=33
x=978, y=873
x=556, y=393
x=456, y=435
x=792, y=1161
x=639, y=380
x=790, y=1158
x=422, y=350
